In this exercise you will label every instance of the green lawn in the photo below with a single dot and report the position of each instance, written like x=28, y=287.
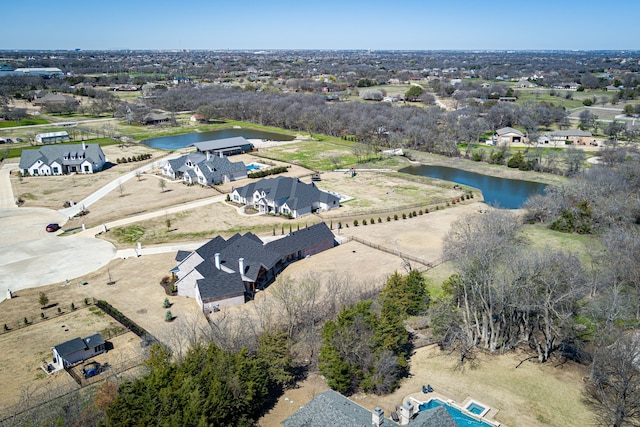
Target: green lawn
x=25, y=122
x=326, y=153
x=543, y=95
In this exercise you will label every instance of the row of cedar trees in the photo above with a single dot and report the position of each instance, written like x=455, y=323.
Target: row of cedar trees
x=367, y=347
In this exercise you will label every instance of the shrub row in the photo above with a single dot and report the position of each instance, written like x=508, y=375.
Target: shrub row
x=267, y=172
x=138, y=158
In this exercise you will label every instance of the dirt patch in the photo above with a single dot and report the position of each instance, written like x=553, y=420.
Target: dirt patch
x=53, y=191
x=26, y=349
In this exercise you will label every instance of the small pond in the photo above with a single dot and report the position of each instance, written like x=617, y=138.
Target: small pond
x=499, y=192
x=180, y=141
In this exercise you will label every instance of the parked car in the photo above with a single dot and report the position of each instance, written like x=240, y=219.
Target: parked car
x=53, y=227
x=9, y=141
x=18, y=139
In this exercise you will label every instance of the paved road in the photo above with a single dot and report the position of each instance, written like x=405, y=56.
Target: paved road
x=7, y=199
x=31, y=257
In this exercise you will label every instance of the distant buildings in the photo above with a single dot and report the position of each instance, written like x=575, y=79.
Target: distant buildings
x=47, y=72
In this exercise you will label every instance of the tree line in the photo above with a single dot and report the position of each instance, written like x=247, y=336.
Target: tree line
x=509, y=292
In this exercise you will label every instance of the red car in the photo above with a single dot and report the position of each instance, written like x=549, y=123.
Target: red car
x=52, y=227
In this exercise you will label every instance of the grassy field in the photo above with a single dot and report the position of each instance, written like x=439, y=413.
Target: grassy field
x=26, y=122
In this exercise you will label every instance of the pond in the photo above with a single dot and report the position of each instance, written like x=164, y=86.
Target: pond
x=499, y=192
x=180, y=141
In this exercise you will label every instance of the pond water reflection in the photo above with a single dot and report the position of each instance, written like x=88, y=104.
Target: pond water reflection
x=499, y=192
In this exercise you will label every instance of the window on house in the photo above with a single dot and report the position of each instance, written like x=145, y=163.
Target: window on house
x=86, y=168
x=55, y=170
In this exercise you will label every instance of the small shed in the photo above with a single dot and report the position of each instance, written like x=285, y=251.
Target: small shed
x=78, y=349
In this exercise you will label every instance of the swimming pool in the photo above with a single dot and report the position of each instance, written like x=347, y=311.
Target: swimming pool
x=253, y=167
x=476, y=408
x=462, y=419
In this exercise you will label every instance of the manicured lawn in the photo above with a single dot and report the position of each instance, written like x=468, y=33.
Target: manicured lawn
x=326, y=154
x=25, y=122
x=543, y=95
x=583, y=245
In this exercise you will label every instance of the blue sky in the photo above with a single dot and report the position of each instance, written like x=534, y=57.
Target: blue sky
x=325, y=24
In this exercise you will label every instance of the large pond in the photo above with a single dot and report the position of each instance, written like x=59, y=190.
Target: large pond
x=180, y=141
x=499, y=192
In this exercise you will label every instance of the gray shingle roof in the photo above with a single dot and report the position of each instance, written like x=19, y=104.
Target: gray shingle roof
x=331, y=409
x=227, y=281
x=506, y=130
x=48, y=153
x=219, y=284
x=569, y=132
x=70, y=347
x=435, y=417
x=295, y=193
x=78, y=344
x=301, y=239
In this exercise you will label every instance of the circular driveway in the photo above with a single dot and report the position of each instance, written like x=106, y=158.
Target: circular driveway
x=31, y=257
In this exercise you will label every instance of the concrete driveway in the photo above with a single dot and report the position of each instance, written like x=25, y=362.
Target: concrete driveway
x=31, y=257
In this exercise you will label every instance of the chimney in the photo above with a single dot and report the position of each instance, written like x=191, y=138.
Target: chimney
x=241, y=265
x=208, y=155
x=216, y=257
x=377, y=417
x=84, y=146
x=406, y=413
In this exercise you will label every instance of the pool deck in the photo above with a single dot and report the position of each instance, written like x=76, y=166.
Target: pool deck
x=419, y=397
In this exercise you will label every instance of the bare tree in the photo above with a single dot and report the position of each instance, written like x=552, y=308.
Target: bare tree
x=614, y=391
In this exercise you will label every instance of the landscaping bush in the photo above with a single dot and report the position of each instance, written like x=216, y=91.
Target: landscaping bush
x=364, y=222
x=168, y=317
x=372, y=221
x=166, y=303
x=404, y=215
x=395, y=217
x=379, y=220
x=267, y=172
x=388, y=218
x=355, y=222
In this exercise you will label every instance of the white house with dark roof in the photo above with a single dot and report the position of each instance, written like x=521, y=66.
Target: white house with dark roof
x=62, y=159
x=285, y=196
x=76, y=350
x=204, y=169
x=226, y=272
